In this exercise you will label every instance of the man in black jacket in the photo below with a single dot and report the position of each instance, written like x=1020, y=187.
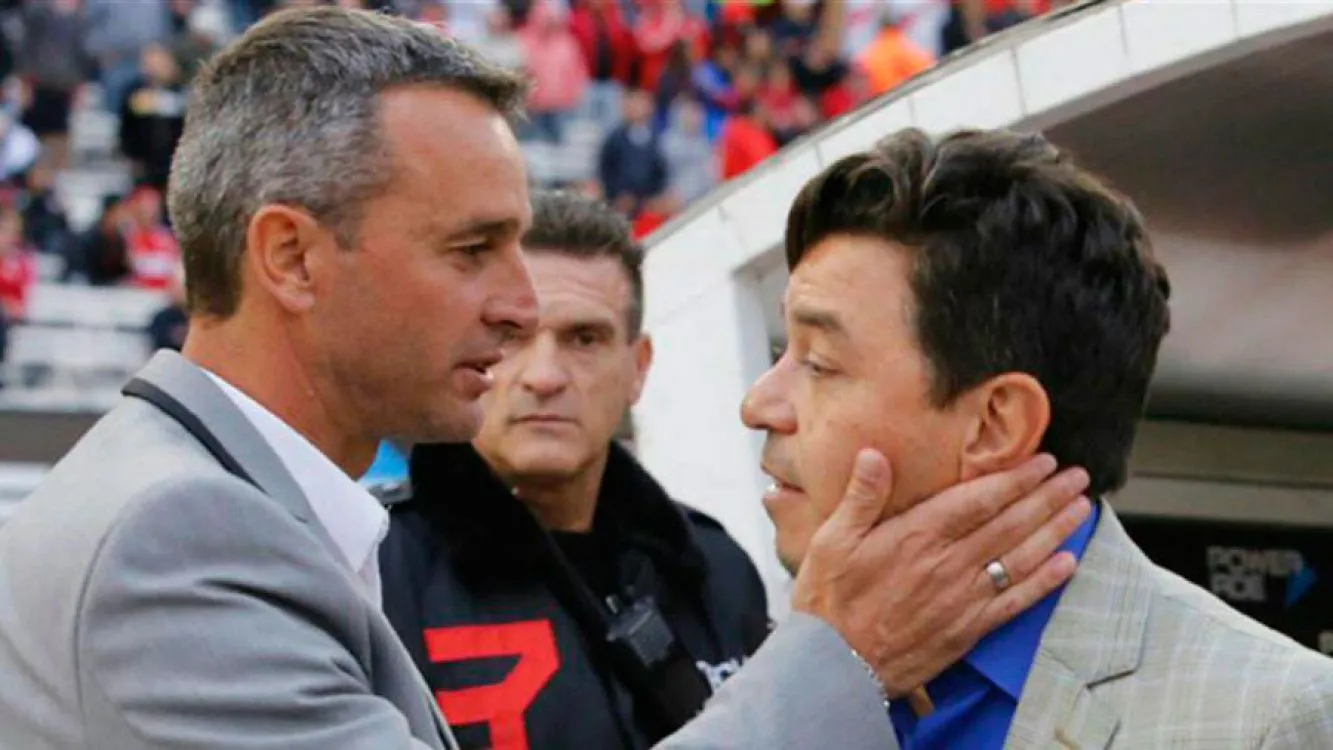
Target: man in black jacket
x=509, y=560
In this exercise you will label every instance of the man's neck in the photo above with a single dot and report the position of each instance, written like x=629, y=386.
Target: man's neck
x=264, y=368
x=568, y=504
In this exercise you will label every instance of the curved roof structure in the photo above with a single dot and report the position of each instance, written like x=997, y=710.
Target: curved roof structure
x=1214, y=116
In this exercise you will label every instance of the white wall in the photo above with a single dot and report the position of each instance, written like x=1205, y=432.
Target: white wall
x=704, y=307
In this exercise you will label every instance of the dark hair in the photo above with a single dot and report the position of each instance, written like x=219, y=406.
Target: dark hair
x=1021, y=262
x=288, y=114
x=572, y=224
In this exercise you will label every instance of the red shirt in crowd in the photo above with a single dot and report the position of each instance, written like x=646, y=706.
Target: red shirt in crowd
x=18, y=272
x=743, y=143
x=154, y=257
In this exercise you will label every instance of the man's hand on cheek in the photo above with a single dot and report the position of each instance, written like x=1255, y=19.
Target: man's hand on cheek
x=910, y=592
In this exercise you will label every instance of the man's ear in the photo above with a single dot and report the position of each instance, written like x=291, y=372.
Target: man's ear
x=1010, y=415
x=282, y=244
x=643, y=360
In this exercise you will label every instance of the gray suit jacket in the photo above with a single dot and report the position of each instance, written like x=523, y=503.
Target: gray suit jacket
x=151, y=600
x=1137, y=657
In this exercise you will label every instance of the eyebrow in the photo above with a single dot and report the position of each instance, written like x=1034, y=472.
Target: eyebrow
x=484, y=227
x=821, y=320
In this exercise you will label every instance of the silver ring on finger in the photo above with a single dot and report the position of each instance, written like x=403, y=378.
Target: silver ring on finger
x=998, y=575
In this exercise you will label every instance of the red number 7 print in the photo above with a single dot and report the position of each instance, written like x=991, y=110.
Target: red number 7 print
x=501, y=706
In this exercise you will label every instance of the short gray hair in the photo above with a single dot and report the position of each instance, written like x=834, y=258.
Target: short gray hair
x=287, y=114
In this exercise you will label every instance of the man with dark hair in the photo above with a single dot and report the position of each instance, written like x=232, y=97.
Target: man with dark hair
x=961, y=304
x=498, y=535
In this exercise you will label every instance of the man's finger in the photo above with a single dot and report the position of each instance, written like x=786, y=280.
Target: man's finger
x=1020, y=521
x=961, y=509
x=862, y=505
x=1022, y=561
x=1020, y=597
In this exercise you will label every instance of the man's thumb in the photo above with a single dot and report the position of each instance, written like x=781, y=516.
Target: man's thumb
x=867, y=494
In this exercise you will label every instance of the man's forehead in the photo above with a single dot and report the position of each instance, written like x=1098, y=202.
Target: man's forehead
x=572, y=289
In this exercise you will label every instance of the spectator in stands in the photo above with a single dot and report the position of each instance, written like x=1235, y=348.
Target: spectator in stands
x=796, y=28
x=499, y=44
x=805, y=117
x=893, y=57
x=152, y=116
x=100, y=254
x=54, y=63
x=199, y=30
x=745, y=140
x=557, y=68
x=662, y=23
x=45, y=226
x=168, y=326
x=610, y=50
x=631, y=165
x=676, y=80
x=817, y=69
x=972, y=20
x=150, y=246
x=713, y=83
x=690, y=158
x=18, y=265
x=117, y=33
x=19, y=148
x=781, y=100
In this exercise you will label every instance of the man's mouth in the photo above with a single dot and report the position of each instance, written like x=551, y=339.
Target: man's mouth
x=780, y=486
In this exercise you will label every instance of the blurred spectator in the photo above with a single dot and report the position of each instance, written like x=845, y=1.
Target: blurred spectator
x=18, y=265
x=150, y=247
x=676, y=80
x=805, y=116
x=893, y=57
x=557, y=68
x=499, y=43
x=198, y=31
x=690, y=159
x=168, y=326
x=781, y=99
x=745, y=140
x=817, y=70
x=972, y=20
x=19, y=148
x=152, y=116
x=853, y=90
x=713, y=83
x=795, y=29
x=53, y=62
x=662, y=23
x=45, y=226
x=117, y=33
x=610, y=54
x=101, y=255
x=631, y=165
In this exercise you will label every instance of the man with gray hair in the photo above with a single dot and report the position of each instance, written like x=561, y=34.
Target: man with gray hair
x=200, y=571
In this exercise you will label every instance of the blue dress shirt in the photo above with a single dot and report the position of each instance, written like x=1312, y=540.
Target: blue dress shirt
x=975, y=699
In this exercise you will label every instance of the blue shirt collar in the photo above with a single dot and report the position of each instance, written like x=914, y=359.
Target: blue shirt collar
x=1005, y=656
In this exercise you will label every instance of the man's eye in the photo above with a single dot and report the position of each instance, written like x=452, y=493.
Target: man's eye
x=815, y=368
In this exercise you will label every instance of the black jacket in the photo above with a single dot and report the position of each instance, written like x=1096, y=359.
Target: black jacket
x=465, y=579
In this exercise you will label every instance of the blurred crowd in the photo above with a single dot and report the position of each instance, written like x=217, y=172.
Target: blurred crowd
x=682, y=94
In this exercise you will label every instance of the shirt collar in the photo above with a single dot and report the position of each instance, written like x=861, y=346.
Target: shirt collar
x=354, y=519
x=1004, y=657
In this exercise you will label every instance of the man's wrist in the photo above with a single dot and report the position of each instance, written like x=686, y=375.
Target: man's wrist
x=874, y=677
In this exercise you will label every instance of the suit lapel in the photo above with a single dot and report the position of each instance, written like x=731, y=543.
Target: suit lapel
x=1095, y=635
x=185, y=382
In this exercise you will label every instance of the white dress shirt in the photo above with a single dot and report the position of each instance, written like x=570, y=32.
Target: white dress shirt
x=348, y=512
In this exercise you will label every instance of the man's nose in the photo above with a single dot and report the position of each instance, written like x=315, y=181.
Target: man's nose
x=766, y=407
x=541, y=371
x=514, y=306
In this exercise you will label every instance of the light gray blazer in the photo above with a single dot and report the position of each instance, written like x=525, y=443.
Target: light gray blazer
x=1137, y=657
x=151, y=600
